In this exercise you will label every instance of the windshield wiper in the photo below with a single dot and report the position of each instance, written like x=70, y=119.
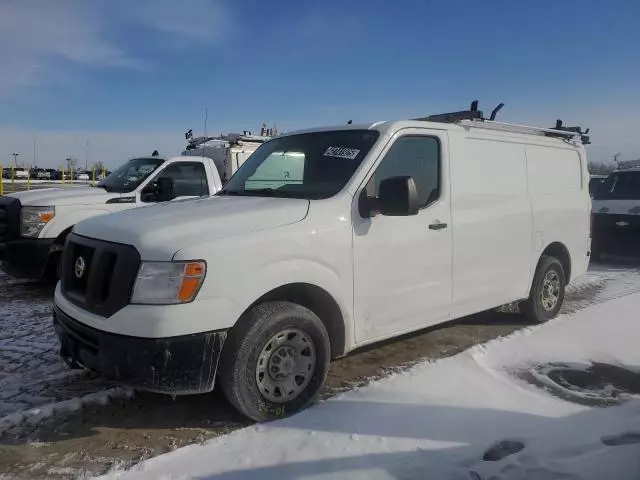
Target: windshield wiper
x=228, y=192
x=258, y=191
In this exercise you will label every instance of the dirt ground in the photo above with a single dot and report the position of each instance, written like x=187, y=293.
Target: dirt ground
x=97, y=438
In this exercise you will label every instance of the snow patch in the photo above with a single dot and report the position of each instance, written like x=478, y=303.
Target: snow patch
x=439, y=419
x=35, y=415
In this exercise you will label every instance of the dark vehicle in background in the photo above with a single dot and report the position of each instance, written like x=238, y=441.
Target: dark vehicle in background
x=594, y=182
x=616, y=215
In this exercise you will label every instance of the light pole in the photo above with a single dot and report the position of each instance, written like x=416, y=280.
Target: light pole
x=70, y=167
x=15, y=159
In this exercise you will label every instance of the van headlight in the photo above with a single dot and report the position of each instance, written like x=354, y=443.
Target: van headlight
x=33, y=220
x=163, y=283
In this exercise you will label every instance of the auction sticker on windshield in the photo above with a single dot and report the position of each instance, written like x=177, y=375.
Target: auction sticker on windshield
x=342, y=152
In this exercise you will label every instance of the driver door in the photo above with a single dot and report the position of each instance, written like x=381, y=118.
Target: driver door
x=403, y=264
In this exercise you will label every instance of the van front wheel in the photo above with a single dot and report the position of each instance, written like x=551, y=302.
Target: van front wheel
x=274, y=361
x=547, y=291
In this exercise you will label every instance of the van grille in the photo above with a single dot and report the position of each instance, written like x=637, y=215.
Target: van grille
x=98, y=276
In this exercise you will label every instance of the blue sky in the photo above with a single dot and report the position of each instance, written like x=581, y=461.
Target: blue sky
x=131, y=76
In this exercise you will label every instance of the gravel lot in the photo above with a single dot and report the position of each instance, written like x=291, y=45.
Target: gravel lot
x=56, y=423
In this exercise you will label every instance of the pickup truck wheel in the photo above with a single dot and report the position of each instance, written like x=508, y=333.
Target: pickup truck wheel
x=274, y=361
x=547, y=291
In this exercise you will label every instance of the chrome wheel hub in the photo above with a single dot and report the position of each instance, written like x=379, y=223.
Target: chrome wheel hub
x=550, y=290
x=285, y=365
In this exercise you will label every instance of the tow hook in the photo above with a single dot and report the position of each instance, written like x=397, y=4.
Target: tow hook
x=68, y=358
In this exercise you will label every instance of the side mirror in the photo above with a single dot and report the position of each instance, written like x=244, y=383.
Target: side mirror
x=165, y=190
x=398, y=196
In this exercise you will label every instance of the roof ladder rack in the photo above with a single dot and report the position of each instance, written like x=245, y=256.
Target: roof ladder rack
x=452, y=117
x=475, y=118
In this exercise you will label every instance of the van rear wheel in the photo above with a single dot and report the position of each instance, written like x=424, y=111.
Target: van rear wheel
x=547, y=291
x=274, y=361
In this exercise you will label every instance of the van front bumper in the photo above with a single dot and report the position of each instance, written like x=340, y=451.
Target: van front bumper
x=175, y=365
x=28, y=258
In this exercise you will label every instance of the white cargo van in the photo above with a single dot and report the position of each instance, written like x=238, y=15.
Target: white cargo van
x=326, y=240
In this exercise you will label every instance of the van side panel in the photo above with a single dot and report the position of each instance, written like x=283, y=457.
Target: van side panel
x=492, y=223
x=560, y=198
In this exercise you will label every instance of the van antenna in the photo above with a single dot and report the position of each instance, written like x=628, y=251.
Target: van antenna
x=495, y=111
x=206, y=114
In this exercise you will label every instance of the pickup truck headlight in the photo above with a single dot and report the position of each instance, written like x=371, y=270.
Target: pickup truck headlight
x=33, y=220
x=162, y=283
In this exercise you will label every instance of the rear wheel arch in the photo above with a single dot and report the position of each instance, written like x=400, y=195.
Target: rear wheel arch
x=559, y=251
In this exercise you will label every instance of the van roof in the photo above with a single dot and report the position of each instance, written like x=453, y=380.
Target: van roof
x=471, y=119
x=390, y=127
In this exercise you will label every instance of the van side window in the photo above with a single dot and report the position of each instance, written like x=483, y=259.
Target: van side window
x=415, y=156
x=189, y=179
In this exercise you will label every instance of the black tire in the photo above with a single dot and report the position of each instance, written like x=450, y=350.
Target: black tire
x=52, y=269
x=242, y=348
x=534, y=308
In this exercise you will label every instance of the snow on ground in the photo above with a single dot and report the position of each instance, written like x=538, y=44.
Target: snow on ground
x=437, y=420
x=34, y=382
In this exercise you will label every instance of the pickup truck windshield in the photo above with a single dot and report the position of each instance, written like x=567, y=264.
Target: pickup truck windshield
x=308, y=165
x=619, y=186
x=127, y=177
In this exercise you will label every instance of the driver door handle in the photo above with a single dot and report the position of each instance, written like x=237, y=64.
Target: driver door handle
x=437, y=226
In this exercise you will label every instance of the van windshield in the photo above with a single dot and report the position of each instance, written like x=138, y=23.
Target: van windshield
x=308, y=165
x=620, y=186
x=129, y=176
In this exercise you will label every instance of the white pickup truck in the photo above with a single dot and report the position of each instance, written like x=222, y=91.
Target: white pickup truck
x=35, y=224
x=324, y=241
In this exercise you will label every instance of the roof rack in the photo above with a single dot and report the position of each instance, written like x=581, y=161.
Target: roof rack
x=231, y=138
x=628, y=164
x=475, y=118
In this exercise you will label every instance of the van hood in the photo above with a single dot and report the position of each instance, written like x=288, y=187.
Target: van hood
x=159, y=231
x=64, y=196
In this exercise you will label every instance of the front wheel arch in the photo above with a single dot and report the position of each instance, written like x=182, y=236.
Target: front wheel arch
x=52, y=269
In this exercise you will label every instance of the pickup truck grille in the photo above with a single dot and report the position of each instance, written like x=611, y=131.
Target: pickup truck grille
x=617, y=234
x=98, y=276
x=9, y=219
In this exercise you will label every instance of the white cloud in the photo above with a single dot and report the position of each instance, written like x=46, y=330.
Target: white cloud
x=36, y=33
x=112, y=148
x=194, y=20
